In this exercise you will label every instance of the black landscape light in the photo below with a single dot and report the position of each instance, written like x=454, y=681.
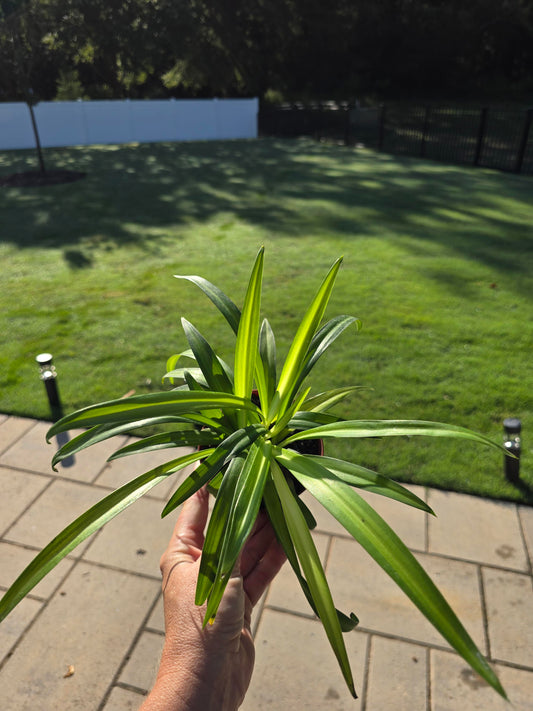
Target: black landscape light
x=512, y=428
x=48, y=375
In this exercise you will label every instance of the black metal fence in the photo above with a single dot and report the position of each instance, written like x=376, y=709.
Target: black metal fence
x=327, y=121
x=500, y=139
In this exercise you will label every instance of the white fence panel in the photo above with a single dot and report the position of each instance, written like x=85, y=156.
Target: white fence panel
x=60, y=123
x=15, y=126
x=234, y=118
x=75, y=123
x=152, y=121
x=187, y=123
x=107, y=122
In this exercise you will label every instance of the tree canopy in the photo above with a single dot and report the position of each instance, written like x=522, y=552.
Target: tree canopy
x=292, y=49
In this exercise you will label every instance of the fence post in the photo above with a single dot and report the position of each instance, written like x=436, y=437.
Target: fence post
x=481, y=134
x=425, y=131
x=381, y=128
x=523, y=141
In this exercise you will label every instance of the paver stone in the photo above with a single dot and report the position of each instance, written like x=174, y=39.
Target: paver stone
x=397, y=676
x=89, y=626
x=476, y=529
x=360, y=585
x=454, y=686
x=141, y=669
x=509, y=601
x=295, y=667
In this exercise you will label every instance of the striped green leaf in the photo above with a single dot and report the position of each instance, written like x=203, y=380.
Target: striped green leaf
x=215, y=531
x=246, y=499
x=390, y=428
x=314, y=573
x=167, y=440
x=246, y=347
x=307, y=420
x=86, y=524
x=223, y=303
x=266, y=366
x=352, y=474
x=275, y=513
x=214, y=461
x=295, y=361
x=103, y=432
x=380, y=541
x=208, y=362
x=322, y=340
x=328, y=399
x=153, y=405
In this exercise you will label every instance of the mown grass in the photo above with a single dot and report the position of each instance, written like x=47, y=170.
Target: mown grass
x=437, y=264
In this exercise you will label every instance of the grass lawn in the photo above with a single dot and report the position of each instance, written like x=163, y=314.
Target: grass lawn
x=438, y=264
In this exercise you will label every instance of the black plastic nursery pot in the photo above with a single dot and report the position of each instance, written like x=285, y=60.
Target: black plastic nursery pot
x=304, y=446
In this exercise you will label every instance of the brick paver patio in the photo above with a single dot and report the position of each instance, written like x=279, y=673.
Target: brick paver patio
x=99, y=614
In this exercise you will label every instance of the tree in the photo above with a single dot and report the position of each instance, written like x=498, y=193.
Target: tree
x=22, y=29
x=299, y=48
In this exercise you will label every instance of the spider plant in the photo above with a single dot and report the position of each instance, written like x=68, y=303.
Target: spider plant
x=245, y=425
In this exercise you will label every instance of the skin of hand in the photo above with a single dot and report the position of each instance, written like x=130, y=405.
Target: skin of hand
x=208, y=669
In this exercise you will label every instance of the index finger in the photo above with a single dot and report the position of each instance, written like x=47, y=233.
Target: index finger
x=189, y=529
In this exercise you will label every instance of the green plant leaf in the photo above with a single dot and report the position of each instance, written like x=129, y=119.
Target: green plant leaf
x=180, y=373
x=310, y=520
x=352, y=474
x=246, y=499
x=266, y=366
x=212, y=369
x=322, y=340
x=328, y=399
x=167, y=440
x=380, y=541
x=215, y=530
x=214, y=461
x=390, y=428
x=275, y=513
x=295, y=361
x=175, y=402
x=305, y=420
x=246, y=346
x=86, y=524
x=103, y=432
x=314, y=573
x=284, y=420
x=194, y=381
x=173, y=360
x=223, y=303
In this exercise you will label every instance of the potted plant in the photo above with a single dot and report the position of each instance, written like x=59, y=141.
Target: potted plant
x=248, y=445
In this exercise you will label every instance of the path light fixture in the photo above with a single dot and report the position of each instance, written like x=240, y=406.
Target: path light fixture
x=48, y=375
x=512, y=428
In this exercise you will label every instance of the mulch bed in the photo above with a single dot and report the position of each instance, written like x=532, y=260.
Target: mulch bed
x=36, y=179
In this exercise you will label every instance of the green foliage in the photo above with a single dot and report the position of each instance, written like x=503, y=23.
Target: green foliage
x=248, y=459
x=69, y=86
x=283, y=48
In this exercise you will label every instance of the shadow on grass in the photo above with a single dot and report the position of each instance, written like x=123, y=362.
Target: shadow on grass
x=133, y=193
x=525, y=490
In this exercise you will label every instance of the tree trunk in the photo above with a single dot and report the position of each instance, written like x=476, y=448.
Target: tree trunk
x=37, y=140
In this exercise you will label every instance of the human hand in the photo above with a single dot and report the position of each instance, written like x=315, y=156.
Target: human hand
x=203, y=669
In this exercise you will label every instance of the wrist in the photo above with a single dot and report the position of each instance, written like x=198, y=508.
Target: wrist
x=179, y=689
